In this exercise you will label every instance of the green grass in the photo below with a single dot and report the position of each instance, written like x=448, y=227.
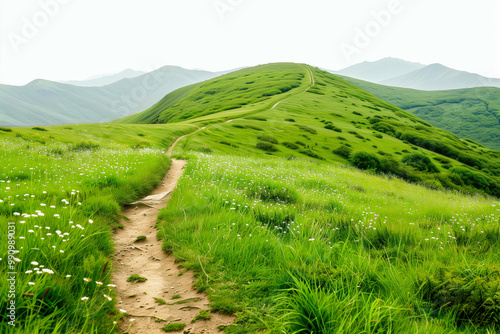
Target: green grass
x=354, y=253
x=160, y=301
x=203, y=315
x=174, y=327
x=64, y=204
x=140, y=238
x=136, y=278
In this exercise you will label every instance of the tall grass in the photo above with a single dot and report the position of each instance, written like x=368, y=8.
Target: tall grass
x=64, y=208
x=298, y=247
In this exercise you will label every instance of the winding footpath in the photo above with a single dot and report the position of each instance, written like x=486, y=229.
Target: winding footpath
x=147, y=259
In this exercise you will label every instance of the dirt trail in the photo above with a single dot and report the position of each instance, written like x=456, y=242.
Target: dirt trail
x=146, y=259
x=169, y=152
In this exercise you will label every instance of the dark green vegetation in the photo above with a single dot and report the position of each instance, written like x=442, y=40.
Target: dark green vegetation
x=472, y=113
x=335, y=121
x=43, y=102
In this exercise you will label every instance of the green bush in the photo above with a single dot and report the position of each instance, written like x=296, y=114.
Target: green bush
x=5, y=129
x=266, y=146
x=343, y=151
x=269, y=139
x=290, y=145
x=333, y=128
x=420, y=162
x=363, y=160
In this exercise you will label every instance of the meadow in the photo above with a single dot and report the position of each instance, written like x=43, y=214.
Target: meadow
x=271, y=214
x=297, y=246
x=61, y=192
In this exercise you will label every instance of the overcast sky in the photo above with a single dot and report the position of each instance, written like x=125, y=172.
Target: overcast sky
x=77, y=39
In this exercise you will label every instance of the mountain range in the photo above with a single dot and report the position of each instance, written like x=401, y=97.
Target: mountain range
x=400, y=73
x=104, y=80
x=44, y=102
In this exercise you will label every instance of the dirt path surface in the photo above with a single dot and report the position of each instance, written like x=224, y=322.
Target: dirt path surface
x=146, y=259
x=169, y=152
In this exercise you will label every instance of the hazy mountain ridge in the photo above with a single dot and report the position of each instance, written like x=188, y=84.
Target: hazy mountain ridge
x=44, y=102
x=400, y=73
x=104, y=80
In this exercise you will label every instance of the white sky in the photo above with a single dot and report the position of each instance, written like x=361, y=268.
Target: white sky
x=78, y=39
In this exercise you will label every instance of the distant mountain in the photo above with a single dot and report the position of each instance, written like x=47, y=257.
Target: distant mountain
x=380, y=70
x=105, y=80
x=472, y=113
x=440, y=77
x=43, y=102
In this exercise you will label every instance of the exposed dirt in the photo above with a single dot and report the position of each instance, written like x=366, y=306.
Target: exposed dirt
x=146, y=259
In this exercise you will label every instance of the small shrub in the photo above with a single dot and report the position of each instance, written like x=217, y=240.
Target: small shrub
x=265, y=146
x=39, y=128
x=300, y=143
x=363, y=160
x=176, y=297
x=343, y=151
x=5, y=129
x=290, y=120
x=333, y=128
x=268, y=139
x=290, y=145
x=357, y=113
x=420, y=162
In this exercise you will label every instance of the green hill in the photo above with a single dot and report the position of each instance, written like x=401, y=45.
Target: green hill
x=472, y=113
x=296, y=111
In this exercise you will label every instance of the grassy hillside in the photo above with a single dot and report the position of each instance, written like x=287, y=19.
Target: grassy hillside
x=472, y=113
x=248, y=87
x=325, y=118
x=44, y=102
